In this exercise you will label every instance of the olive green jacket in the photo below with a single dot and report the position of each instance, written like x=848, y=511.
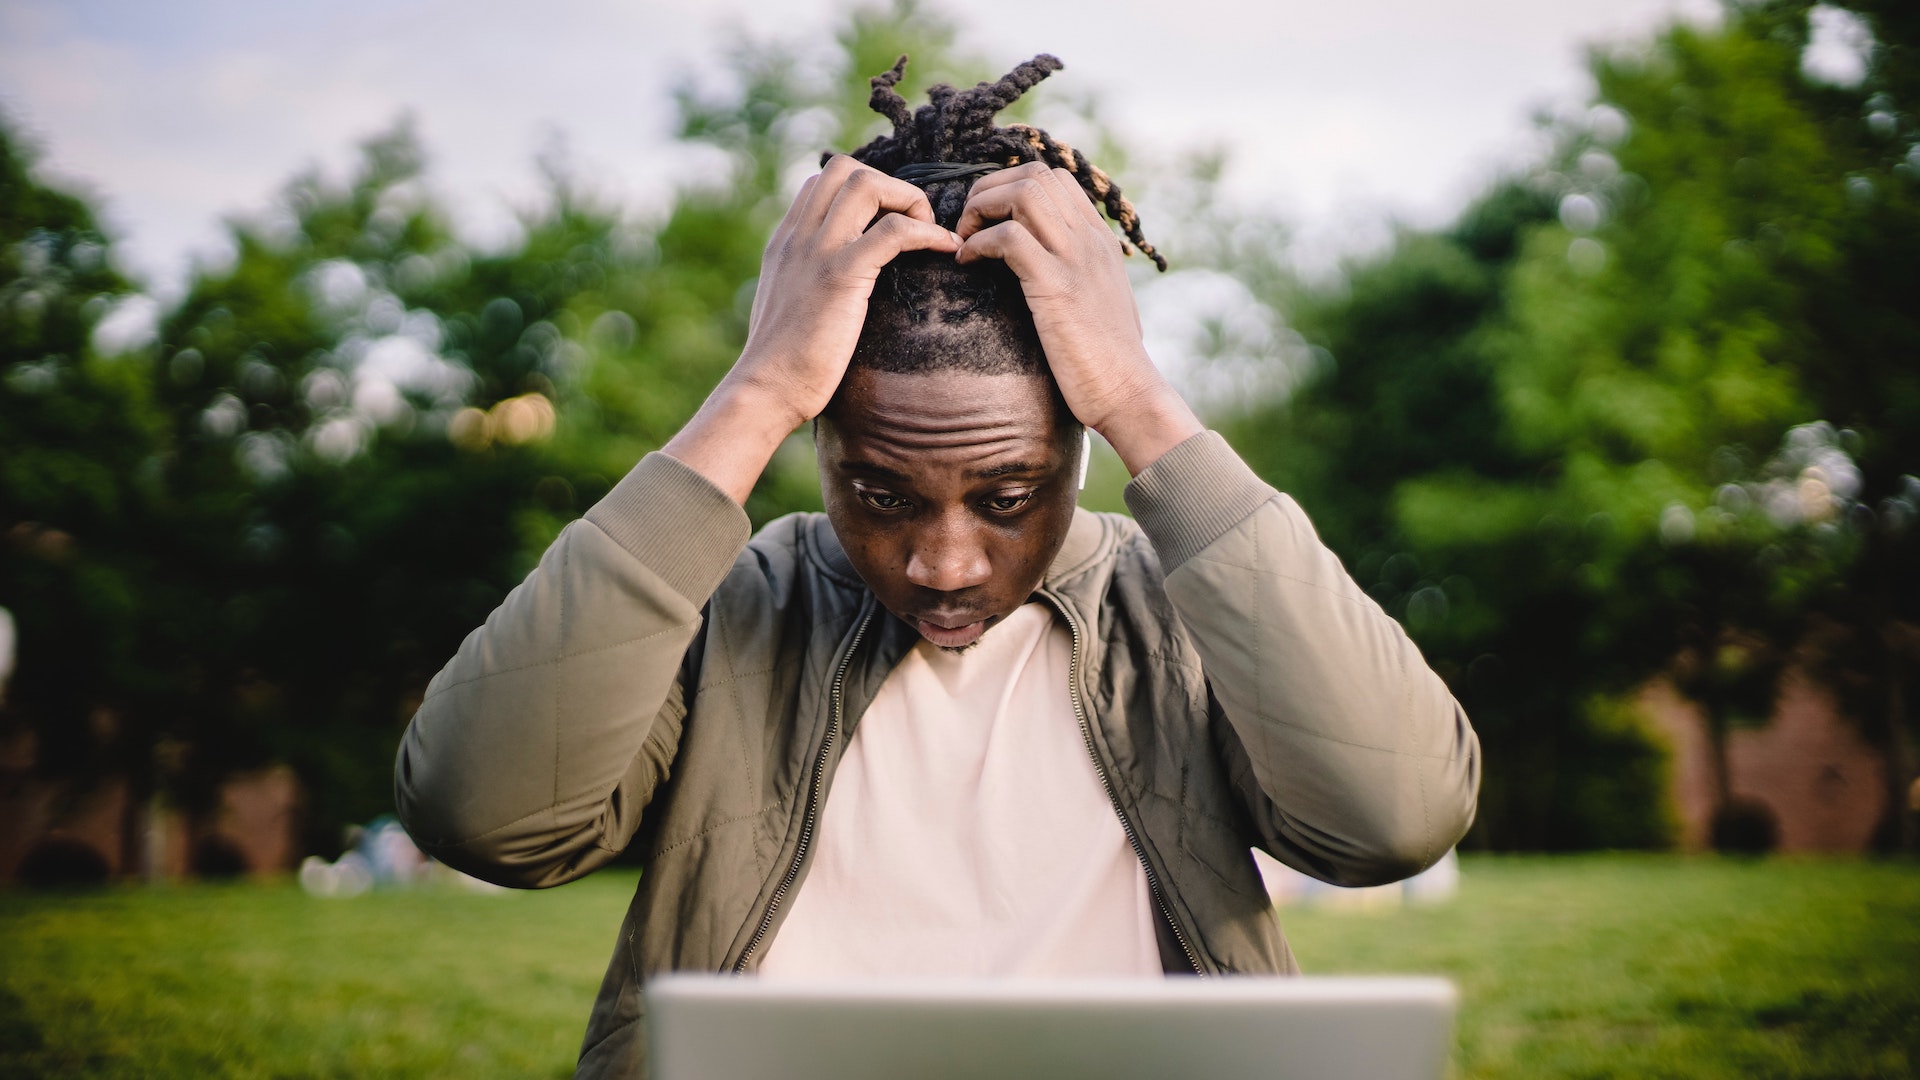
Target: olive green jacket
x=660, y=681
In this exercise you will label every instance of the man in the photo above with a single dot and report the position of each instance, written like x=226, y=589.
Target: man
x=956, y=724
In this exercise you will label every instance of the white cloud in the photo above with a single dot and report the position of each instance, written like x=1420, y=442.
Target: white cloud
x=1839, y=46
x=131, y=324
x=1216, y=341
x=1340, y=113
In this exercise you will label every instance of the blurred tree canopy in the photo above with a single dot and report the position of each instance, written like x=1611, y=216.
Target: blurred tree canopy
x=256, y=539
x=76, y=432
x=1647, y=409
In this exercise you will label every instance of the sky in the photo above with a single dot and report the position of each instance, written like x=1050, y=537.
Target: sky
x=1340, y=115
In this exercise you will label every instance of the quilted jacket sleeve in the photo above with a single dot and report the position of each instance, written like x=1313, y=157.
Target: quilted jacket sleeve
x=542, y=740
x=1363, y=767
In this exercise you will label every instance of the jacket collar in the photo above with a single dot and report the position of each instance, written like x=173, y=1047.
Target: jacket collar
x=1087, y=540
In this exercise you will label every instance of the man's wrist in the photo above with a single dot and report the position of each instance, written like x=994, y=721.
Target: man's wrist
x=1192, y=495
x=1155, y=420
x=733, y=436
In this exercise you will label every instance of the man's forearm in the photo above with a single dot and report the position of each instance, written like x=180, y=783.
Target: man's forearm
x=733, y=436
x=539, y=743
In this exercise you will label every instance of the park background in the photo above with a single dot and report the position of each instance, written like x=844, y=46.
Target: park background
x=1626, y=436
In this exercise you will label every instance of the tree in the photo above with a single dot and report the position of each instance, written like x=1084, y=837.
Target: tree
x=79, y=439
x=334, y=512
x=1867, y=634
x=1753, y=281
x=1572, y=398
x=256, y=540
x=1400, y=414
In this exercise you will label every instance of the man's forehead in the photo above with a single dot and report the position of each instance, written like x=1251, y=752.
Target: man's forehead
x=943, y=404
x=976, y=453
x=981, y=424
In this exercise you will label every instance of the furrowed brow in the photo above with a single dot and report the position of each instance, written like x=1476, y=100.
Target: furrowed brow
x=867, y=468
x=994, y=472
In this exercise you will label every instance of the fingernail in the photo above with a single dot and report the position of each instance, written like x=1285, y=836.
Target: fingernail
x=956, y=238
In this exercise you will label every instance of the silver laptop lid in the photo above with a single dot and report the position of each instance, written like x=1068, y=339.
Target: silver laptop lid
x=711, y=1027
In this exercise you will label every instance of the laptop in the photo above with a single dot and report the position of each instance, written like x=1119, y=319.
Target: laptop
x=717, y=1027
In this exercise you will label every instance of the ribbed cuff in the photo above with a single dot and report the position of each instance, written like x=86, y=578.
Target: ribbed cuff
x=677, y=522
x=1192, y=496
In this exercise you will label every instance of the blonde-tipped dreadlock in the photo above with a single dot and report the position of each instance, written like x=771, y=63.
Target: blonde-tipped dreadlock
x=957, y=128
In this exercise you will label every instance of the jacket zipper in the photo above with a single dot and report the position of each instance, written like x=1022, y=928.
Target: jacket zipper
x=1113, y=797
x=836, y=712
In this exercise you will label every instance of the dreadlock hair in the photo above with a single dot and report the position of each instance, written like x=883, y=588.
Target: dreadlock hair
x=928, y=312
x=958, y=128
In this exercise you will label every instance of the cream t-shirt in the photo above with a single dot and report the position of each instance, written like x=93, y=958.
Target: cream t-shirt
x=966, y=831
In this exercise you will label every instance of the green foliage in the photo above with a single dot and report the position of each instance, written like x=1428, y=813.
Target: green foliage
x=1571, y=443
x=78, y=438
x=319, y=542
x=1647, y=408
x=1399, y=450
x=257, y=539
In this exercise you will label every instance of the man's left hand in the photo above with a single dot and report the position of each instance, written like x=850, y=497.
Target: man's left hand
x=1042, y=224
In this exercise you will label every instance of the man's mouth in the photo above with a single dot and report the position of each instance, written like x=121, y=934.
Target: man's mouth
x=954, y=636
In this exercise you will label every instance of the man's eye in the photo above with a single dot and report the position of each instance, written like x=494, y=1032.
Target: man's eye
x=1007, y=504
x=881, y=500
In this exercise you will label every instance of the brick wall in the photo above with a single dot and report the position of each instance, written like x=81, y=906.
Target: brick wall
x=255, y=825
x=1825, y=787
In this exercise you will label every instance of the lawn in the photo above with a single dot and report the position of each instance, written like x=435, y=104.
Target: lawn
x=1659, y=966
x=1570, y=967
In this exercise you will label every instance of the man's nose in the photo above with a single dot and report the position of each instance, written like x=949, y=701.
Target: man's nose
x=947, y=556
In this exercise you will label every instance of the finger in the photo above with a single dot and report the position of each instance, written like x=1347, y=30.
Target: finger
x=1030, y=201
x=1070, y=183
x=890, y=195
x=1030, y=170
x=1063, y=181
x=868, y=193
x=891, y=235
x=832, y=176
x=1073, y=201
x=1013, y=244
x=776, y=245
x=794, y=214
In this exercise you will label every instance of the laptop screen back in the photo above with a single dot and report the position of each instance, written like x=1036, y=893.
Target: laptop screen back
x=710, y=1027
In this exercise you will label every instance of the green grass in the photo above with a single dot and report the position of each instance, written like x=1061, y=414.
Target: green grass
x=250, y=980
x=1659, y=966
x=1570, y=967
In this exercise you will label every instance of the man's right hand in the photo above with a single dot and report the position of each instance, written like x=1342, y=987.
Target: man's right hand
x=815, y=277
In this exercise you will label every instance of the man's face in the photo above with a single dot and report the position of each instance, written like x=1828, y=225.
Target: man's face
x=951, y=492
